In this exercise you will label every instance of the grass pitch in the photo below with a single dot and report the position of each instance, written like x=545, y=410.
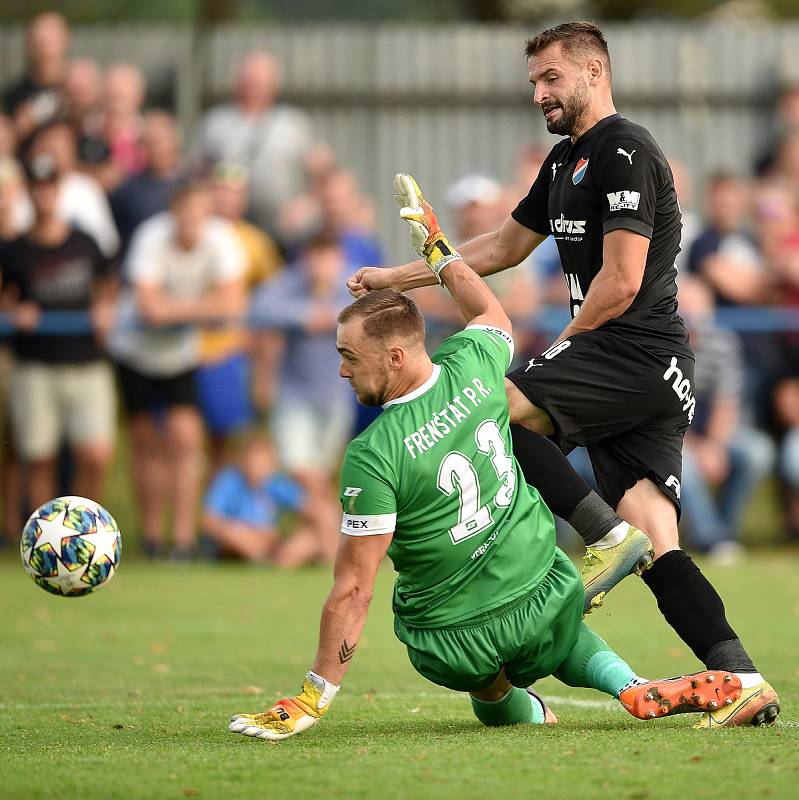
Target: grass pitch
x=127, y=693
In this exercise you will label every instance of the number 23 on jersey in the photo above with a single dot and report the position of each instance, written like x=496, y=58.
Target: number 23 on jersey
x=457, y=473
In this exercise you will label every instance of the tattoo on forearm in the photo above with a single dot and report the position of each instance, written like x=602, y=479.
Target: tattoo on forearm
x=346, y=651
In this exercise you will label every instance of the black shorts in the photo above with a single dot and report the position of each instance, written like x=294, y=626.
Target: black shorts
x=628, y=405
x=145, y=393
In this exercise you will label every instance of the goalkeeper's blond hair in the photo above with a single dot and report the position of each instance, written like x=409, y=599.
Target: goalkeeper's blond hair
x=387, y=314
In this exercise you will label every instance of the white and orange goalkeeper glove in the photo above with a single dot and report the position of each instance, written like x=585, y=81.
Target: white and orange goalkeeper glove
x=427, y=237
x=291, y=715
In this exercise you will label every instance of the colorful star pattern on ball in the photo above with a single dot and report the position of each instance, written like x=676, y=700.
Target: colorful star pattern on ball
x=71, y=546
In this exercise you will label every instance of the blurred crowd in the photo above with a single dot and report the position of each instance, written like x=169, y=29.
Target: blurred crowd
x=212, y=272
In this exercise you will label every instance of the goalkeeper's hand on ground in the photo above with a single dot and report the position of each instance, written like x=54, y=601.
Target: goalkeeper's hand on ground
x=290, y=715
x=427, y=237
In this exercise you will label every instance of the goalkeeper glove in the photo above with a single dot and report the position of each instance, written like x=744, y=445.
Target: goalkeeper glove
x=292, y=714
x=427, y=237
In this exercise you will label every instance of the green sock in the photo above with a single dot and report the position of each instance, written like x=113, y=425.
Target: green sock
x=514, y=708
x=608, y=672
x=592, y=664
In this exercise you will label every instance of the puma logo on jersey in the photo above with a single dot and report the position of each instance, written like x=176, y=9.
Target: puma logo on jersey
x=681, y=387
x=563, y=225
x=628, y=156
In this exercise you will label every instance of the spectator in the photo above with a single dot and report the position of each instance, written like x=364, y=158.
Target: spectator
x=776, y=220
x=476, y=205
x=337, y=205
x=12, y=222
x=10, y=476
x=783, y=233
x=230, y=184
x=186, y=269
x=314, y=412
x=83, y=91
x=271, y=140
x=36, y=98
x=786, y=161
x=244, y=502
x=8, y=137
x=786, y=121
x=123, y=96
x=148, y=193
x=725, y=253
x=543, y=264
x=691, y=221
x=786, y=408
x=61, y=386
x=81, y=201
x=723, y=457
x=106, y=115
x=526, y=166
x=225, y=375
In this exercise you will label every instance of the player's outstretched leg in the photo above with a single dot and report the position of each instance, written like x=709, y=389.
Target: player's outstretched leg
x=691, y=605
x=592, y=664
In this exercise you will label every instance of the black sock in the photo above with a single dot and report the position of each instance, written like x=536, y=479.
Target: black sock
x=561, y=488
x=545, y=467
x=691, y=605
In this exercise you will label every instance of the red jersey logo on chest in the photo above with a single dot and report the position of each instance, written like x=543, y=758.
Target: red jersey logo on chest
x=579, y=171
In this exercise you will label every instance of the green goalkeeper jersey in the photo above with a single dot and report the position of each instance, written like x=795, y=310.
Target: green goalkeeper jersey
x=436, y=468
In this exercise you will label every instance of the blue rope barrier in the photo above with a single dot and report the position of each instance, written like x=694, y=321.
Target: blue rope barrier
x=748, y=319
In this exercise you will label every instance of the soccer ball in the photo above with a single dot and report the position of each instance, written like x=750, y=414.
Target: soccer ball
x=71, y=546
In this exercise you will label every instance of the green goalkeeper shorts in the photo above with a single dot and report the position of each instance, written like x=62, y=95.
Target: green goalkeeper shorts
x=530, y=636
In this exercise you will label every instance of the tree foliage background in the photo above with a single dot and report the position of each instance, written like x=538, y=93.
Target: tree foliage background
x=214, y=11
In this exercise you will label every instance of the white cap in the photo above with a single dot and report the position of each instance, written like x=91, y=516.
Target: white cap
x=473, y=189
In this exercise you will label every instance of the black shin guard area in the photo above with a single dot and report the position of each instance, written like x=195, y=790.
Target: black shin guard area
x=545, y=467
x=694, y=609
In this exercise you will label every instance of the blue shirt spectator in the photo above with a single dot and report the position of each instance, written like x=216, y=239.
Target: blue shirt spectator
x=314, y=413
x=242, y=507
x=232, y=496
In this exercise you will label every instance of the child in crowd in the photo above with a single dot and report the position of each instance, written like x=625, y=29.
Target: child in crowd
x=244, y=502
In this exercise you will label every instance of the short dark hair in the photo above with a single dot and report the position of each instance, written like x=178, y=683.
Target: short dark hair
x=186, y=187
x=581, y=38
x=323, y=239
x=722, y=179
x=385, y=313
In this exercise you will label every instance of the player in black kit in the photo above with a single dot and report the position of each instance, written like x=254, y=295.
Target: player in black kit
x=619, y=378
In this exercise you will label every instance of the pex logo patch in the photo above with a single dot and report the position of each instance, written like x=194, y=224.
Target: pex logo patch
x=626, y=198
x=579, y=171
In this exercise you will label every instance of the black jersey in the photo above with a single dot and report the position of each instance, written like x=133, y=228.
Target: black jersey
x=613, y=176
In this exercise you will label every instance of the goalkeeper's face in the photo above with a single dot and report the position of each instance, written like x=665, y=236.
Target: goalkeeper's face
x=365, y=363
x=561, y=89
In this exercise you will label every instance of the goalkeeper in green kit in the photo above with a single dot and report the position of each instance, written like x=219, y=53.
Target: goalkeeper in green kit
x=484, y=600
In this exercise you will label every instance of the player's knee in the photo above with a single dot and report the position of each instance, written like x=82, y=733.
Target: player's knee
x=650, y=510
